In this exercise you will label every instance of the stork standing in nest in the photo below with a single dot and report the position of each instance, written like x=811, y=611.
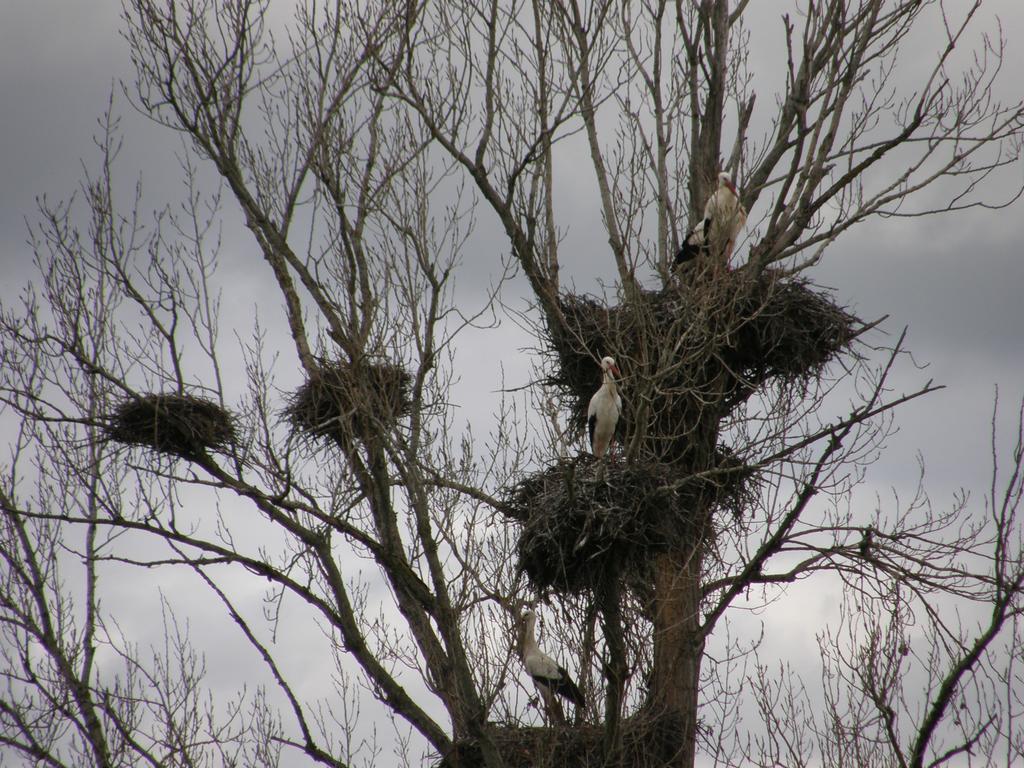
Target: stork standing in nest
x=604, y=410
x=716, y=233
x=550, y=677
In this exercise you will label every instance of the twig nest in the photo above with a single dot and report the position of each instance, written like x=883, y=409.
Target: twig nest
x=182, y=425
x=709, y=344
x=345, y=401
x=787, y=330
x=647, y=740
x=528, y=747
x=585, y=522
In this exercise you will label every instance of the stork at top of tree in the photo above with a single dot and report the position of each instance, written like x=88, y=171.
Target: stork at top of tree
x=550, y=677
x=724, y=217
x=604, y=409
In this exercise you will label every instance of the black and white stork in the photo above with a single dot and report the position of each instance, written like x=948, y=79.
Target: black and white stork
x=604, y=409
x=724, y=217
x=550, y=677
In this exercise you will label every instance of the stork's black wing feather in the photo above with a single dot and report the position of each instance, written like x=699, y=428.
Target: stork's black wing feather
x=591, y=426
x=695, y=243
x=565, y=686
x=687, y=253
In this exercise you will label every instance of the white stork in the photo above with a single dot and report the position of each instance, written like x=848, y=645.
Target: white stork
x=550, y=677
x=604, y=409
x=724, y=217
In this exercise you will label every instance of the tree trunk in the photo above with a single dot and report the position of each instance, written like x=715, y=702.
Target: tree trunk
x=615, y=671
x=677, y=655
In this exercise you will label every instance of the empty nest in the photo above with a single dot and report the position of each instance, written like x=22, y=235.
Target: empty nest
x=345, y=401
x=182, y=425
x=787, y=330
x=580, y=529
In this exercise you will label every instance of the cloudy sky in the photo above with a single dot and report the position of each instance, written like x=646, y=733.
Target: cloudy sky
x=954, y=281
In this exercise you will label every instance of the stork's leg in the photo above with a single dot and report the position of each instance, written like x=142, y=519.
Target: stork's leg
x=602, y=471
x=552, y=706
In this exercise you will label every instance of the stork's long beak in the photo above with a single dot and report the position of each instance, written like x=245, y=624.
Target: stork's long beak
x=615, y=369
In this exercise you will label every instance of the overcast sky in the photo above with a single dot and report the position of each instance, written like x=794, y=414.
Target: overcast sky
x=954, y=281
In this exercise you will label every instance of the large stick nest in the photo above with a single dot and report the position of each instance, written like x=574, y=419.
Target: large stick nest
x=585, y=522
x=182, y=425
x=344, y=401
x=786, y=330
x=709, y=344
x=646, y=742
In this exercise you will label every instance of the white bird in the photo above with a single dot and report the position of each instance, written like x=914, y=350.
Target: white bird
x=604, y=409
x=549, y=676
x=724, y=217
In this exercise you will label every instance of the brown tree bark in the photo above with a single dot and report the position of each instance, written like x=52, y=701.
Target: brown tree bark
x=677, y=654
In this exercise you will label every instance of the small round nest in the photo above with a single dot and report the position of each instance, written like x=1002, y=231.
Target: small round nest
x=346, y=401
x=182, y=425
x=584, y=523
x=710, y=344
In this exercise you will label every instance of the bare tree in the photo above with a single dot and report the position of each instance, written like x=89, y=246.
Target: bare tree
x=359, y=146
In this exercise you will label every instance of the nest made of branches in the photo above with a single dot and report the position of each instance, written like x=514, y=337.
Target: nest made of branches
x=731, y=333
x=182, y=425
x=787, y=330
x=646, y=742
x=585, y=521
x=345, y=401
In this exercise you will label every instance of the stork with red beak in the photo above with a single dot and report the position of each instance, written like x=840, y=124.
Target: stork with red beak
x=603, y=412
x=724, y=217
x=550, y=677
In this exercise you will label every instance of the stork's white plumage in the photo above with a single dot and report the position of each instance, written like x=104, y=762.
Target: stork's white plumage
x=604, y=409
x=545, y=671
x=724, y=217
